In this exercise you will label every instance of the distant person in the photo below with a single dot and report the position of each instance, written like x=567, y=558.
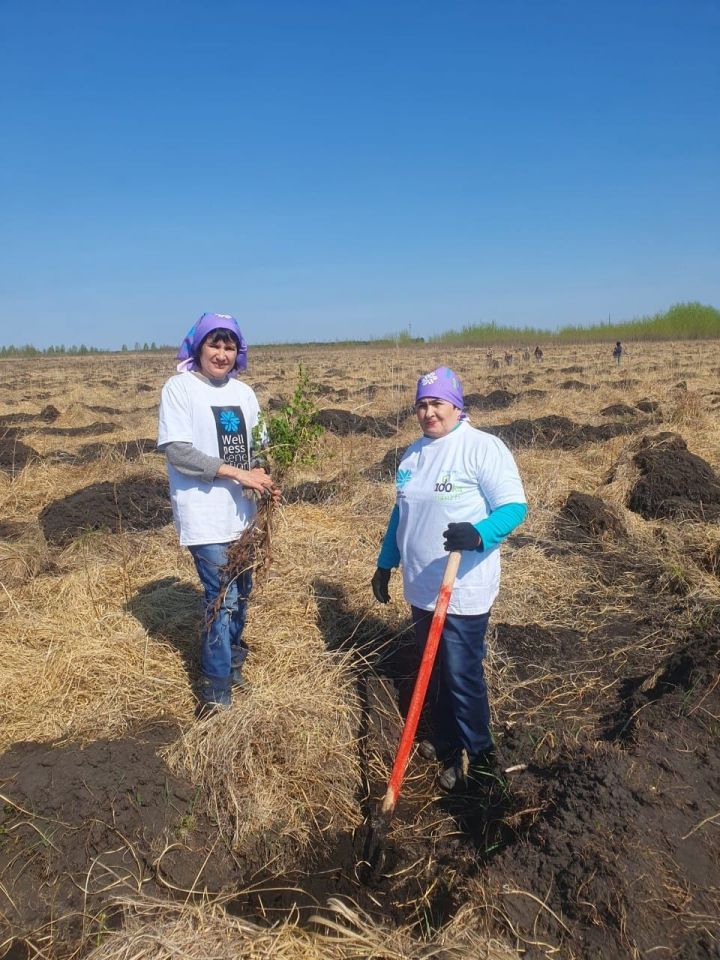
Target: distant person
x=538, y=353
x=617, y=352
x=457, y=489
x=526, y=354
x=207, y=417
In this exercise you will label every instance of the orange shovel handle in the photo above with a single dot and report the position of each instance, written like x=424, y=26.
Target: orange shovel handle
x=421, y=684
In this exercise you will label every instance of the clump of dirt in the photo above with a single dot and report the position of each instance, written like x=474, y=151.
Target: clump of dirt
x=97, y=408
x=572, y=369
x=12, y=530
x=648, y=406
x=555, y=431
x=584, y=517
x=91, y=430
x=49, y=413
x=141, y=503
x=144, y=388
x=619, y=410
x=534, y=393
x=130, y=450
x=14, y=455
x=343, y=423
x=574, y=385
x=673, y=482
x=386, y=468
x=312, y=491
x=495, y=400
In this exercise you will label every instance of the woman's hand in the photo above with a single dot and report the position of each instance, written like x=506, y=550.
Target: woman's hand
x=255, y=479
x=462, y=536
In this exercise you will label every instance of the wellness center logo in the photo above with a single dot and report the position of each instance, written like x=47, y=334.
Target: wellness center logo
x=232, y=436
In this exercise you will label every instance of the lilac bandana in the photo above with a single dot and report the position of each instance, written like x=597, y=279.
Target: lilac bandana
x=442, y=384
x=197, y=333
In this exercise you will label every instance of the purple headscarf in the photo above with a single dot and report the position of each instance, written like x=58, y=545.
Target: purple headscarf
x=442, y=384
x=197, y=333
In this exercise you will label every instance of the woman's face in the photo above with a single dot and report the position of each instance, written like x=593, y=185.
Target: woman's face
x=437, y=417
x=217, y=359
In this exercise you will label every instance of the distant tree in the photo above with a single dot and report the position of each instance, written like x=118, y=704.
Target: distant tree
x=124, y=348
x=153, y=346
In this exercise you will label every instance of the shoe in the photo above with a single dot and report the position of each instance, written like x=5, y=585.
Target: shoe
x=427, y=750
x=448, y=778
x=209, y=708
x=238, y=681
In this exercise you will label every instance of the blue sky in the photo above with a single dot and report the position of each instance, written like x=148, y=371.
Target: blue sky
x=331, y=170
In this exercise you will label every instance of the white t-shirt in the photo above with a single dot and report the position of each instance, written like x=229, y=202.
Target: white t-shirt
x=458, y=478
x=218, y=421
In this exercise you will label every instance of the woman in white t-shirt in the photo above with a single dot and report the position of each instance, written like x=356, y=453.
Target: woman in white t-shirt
x=206, y=425
x=457, y=489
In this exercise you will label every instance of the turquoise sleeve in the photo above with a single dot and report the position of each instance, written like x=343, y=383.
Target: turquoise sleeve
x=500, y=523
x=389, y=555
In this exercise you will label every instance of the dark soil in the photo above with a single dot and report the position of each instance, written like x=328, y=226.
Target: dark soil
x=554, y=431
x=673, y=483
x=572, y=369
x=495, y=400
x=619, y=410
x=574, y=385
x=12, y=530
x=386, y=468
x=603, y=850
x=14, y=454
x=343, y=423
x=648, y=406
x=584, y=517
x=129, y=450
x=312, y=491
x=142, y=503
x=92, y=430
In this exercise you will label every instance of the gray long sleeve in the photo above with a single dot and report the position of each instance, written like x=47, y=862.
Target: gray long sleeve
x=189, y=460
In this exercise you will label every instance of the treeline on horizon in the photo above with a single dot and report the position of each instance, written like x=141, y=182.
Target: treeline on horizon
x=683, y=321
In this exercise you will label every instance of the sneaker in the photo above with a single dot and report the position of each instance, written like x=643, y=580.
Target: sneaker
x=427, y=750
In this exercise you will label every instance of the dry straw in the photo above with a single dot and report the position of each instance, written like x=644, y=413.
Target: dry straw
x=156, y=931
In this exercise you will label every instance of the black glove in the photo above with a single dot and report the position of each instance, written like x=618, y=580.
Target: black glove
x=379, y=583
x=462, y=536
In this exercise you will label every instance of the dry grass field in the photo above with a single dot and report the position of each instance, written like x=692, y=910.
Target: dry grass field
x=129, y=829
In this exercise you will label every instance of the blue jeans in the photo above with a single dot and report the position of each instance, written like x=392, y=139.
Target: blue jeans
x=222, y=649
x=457, y=695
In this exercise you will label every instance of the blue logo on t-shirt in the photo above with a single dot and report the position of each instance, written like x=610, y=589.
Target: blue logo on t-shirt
x=229, y=420
x=403, y=476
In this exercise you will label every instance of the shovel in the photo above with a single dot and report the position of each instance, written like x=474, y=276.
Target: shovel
x=373, y=852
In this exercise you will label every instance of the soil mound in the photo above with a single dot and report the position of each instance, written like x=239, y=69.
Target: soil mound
x=386, y=468
x=130, y=450
x=495, y=400
x=12, y=530
x=142, y=503
x=574, y=385
x=91, y=430
x=647, y=406
x=584, y=517
x=14, y=454
x=554, y=431
x=619, y=410
x=100, y=813
x=572, y=369
x=673, y=483
x=312, y=491
x=49, y=413
x=343, y=423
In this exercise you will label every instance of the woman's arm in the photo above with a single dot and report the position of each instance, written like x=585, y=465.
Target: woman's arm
x=389, y=555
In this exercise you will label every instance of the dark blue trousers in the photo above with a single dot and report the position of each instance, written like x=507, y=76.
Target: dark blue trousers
x=222, y=648
x=457, y=696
